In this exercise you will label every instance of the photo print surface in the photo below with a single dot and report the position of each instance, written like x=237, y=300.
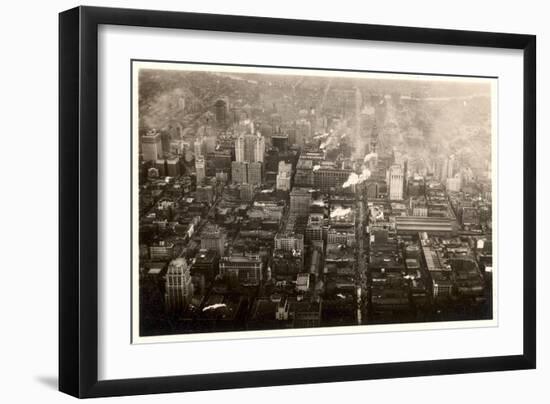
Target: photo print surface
x=270, y=201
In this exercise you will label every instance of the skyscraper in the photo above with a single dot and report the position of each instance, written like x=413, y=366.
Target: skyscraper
x=198, y=147
x=453, y=184
x=444, y=170
x=255, y=173
x=200, y=168
x=221, y=112
x=239, y=149
x=239, y=172
x=303, y=132
x=283, y=176
x=300, y=199
x=209, y=142
x=451, y=167
x=396, y=182
x=250, y=148
x=151, y=145
x=179, y=288
x=259, y=148
x=173, y=166
x=213, y=238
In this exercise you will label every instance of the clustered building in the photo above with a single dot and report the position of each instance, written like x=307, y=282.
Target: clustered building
x=261, y=218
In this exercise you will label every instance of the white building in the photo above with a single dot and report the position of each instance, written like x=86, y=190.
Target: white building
x=396, y=182
x=200, y=168
x=259, y=148
x=179, y=288
x=284, y=176
x=198, y=148
x=454, y=184
x=239, y=149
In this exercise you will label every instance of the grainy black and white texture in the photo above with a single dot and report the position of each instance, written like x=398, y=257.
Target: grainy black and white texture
x=285, y=199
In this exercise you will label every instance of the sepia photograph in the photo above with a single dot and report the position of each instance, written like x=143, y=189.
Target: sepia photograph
x=285, y=201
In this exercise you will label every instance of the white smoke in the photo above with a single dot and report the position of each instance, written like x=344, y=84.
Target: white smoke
x=365, y=175
x=377, y=213
x=316, y=167
x=214, y=306
x=330, y=141
x=339, y=212
x=369, y=157
x=326, y=143
x=355, y=179
x=321, y=136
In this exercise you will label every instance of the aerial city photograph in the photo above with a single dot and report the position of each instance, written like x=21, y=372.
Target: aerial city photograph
x=280, y=199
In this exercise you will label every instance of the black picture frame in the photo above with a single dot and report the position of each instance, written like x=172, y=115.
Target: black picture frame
x=78, y=200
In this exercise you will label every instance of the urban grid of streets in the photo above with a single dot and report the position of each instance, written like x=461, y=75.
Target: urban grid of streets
x=276, y=202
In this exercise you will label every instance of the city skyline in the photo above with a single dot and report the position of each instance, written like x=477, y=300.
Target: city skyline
x=286, y=199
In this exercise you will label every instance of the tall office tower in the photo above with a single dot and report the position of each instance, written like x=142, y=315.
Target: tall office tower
x=454, y=184
x=179, y=288
x=250, y=148
x=284, y=168
x=283, y=176
x=280, y=141
x=239, y=172
x=198, y=147
x=283, y=182
x=160, y=165
x=210, y=141
x=221, y=112
x=451, y=163
x=239, y=149
x=213, y=238
x=373, y=146
x=314, y=228
x=405, y=178
x=200, y=168
x=303, y=132
x=173, y=166
x=444, y=170
x=259, y=148
x=255, y=173
x=151, y=146
x=222, y=160
x=396, y=182
x=165, y=139
x=300, y=199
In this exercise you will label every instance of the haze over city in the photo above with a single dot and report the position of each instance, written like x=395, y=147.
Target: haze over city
x=299, y=200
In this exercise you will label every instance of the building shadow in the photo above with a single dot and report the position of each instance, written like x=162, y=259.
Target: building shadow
x=48, y=381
